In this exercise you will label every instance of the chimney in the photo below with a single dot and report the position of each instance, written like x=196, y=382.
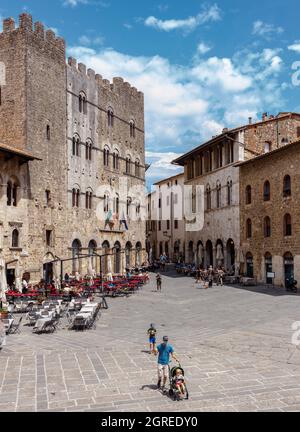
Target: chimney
x=271, y=117
x=224, y=130
x=265, y=116
x=250, y=120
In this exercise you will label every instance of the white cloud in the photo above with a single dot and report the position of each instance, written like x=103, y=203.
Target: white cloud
x=161, y=166
x=212, y=13
x=203, y=48
x=186, y=105
x=295, y=47
x=128, y=26
x=266, y=30
x=87, y=40
x=74, y=3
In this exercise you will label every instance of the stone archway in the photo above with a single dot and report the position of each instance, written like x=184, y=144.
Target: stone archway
x=117, y=258
x=76, y=251
x=48, y=267
x=191, y=252
x=230, y=255
x=209, y=258
x=219, y=253
x=200, y=254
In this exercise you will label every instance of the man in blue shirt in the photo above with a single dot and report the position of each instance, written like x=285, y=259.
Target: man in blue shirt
x=164, y=350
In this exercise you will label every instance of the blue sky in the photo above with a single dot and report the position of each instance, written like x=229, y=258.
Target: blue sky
x=202, y=65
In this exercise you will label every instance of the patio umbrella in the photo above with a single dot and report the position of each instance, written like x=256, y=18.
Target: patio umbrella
x=56, y=275
x=123, y=262
x=91, y=271
x=196, y=258
x=200, y=253
x=18, y=277
x=3, y=281
x=109, y=265
x=220, y=255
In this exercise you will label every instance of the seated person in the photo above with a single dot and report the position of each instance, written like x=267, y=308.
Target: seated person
x=178, y=381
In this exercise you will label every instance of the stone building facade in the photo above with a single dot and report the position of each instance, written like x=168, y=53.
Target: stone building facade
x=165, y=225
x=212, y=166
x=269, y=215
x=82, y=139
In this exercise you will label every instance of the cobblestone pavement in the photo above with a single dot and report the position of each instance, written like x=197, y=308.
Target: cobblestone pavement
x=234, y=344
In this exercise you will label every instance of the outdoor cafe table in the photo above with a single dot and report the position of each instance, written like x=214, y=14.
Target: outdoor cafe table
x=89, y=307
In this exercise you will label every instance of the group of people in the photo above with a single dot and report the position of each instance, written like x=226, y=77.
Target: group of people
x=208, y=276
x=164, y=351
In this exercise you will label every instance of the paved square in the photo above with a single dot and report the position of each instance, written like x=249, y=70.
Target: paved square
x=234, y=344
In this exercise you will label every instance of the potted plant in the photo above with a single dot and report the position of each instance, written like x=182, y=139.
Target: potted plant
x=3, y=313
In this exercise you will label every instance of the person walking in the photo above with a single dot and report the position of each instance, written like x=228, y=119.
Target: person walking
x=158, y=282
x=164, y=350
x=152, y=337
x=210, y=276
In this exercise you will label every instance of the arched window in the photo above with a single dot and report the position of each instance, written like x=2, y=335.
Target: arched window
x=128, y=206
x=106, y=203
x=88, y=200
x=76, y=146
x=249, y=228
x=88, y=150
x=137, y=208
x=12, y=193
x=48, y=134
x=229, y=192
x=248, y=194
x=116, y=160
x=9, y=193
x=137, y=168
x=132, y=129
x=116, y=204
x=75, y=197
x=287, y=188
x=128, y=251
x=106, y=156
x=15, y=239
x=128, y=165
x=267, y=227
x=267, y=191
x=218, y=195
x=82, y=103
x=110, y=117
x=208, y=197
x=287, y=225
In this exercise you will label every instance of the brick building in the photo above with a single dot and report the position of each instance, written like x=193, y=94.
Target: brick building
x=212, y=165
x=70, y=141
x=269, y=215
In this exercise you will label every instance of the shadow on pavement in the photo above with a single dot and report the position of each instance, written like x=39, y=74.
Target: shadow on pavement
x=149, y=386
x=267, y=290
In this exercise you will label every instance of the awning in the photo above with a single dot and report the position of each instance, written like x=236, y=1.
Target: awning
x=13, y=151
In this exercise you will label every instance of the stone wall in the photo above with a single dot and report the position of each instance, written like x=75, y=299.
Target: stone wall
x=272, y=167
x=40, y=114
